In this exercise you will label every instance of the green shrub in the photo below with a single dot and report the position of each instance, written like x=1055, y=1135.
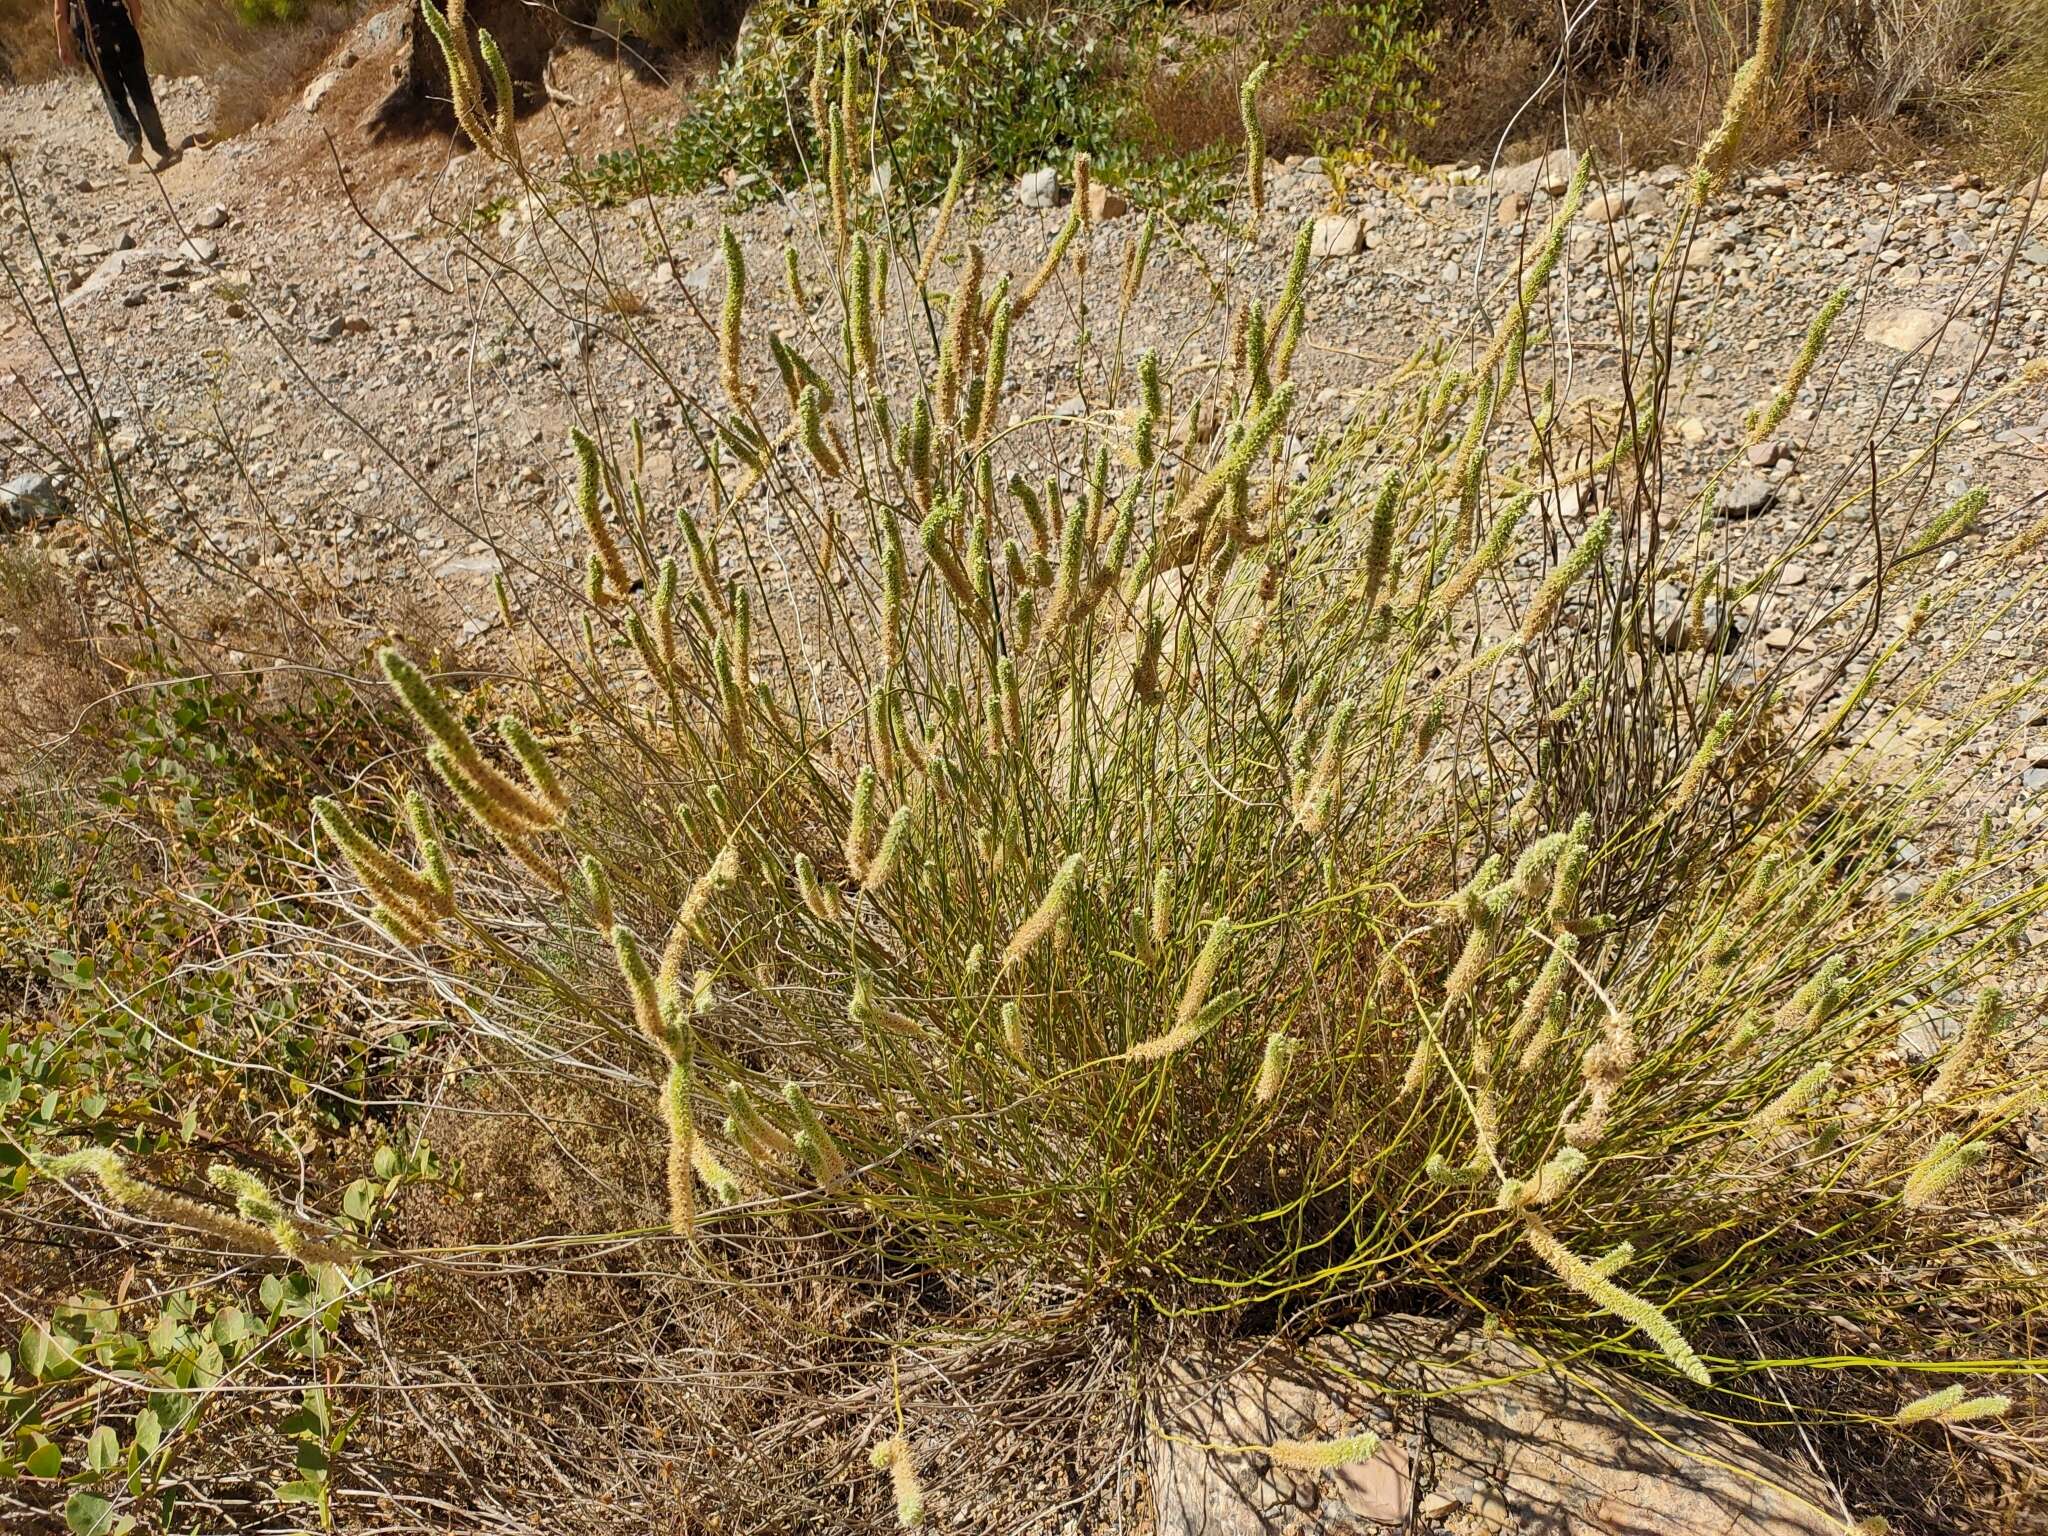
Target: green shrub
x=1028, y=93
x=1374, y=88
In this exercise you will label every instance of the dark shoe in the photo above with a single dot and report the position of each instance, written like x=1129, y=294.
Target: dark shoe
x=135, y=154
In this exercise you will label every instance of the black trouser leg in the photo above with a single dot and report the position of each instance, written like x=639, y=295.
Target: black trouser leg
x=116, y=54
x=114, y=94
x=142, y=100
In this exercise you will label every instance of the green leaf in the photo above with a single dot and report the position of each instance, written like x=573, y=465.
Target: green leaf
x=165, y=1335
x=102, y=1449
x=89, y=1514
x=44, y=1461
x=149, y=1432
x=62, y=1361
x=230, y=1326
x=302, y=1490
x=387, y=1164
x=360, y=1202
x=35, y=1350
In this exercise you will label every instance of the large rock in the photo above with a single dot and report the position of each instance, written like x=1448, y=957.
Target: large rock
x=320, y=88
x=1337, y=234
x=1552, y=174
x=528, y=35
x=1907, y=329
x=1746, y=497
x=1466, y=1421
x=29, y=499
x=118, y=268
x=1039, y=188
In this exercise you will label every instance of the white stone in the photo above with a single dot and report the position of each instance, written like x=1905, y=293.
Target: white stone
x=1337, y=234
x=1039, y=189
x=1510, y=1443
x=1552, y=173
x=317, y=92
x=1907, y=329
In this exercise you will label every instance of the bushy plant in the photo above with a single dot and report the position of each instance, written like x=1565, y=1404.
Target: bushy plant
x=1032, y=90
x=1206, y=885
x=1212, y=885
x=1374, y=88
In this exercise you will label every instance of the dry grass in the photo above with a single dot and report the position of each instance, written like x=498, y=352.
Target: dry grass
x=50, y=670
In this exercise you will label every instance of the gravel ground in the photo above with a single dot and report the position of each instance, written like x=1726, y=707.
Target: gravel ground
x=338, y=377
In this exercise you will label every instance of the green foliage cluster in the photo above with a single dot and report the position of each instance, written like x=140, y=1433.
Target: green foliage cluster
x=1027, y=92
x=1374, y=88
x=66, y=1434
x=180, y=846
x=176, y=845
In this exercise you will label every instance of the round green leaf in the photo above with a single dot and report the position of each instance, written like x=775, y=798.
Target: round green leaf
x=102, y=1449
x=89, y=1514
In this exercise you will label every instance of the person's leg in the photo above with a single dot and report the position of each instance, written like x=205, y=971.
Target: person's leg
x=143, y=99
x=127, y=72
x=116, y=97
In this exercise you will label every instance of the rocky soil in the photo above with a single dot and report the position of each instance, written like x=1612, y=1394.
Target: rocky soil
x=334, y=379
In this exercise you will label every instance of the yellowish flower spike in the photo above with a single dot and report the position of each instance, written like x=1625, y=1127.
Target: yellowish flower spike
x=1548, y=602
x=1773, y=415
x=1194, y=994
x=486, y=792
x=1254, y=137
x=943, y=220
x=589, y=507
x=1059, y=896
x=813, y=1143
x=682, y=1142
x=1950, y=1406
x=1591, y=1283
x=1323, y=1455
x=1951, y=1158
x=894, y=1457
x=1274, y=1066
x=729, y=317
